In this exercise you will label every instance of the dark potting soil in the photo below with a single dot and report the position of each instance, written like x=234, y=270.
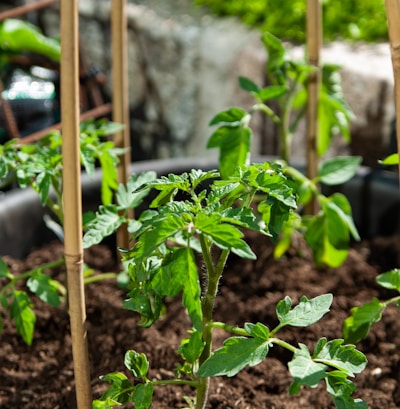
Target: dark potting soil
x=41, y=375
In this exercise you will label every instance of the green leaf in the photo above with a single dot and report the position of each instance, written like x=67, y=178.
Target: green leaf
x=4, y=271
x=304, y=370
x=390, y=279
x=339, y=204
x=136, y=363
x=146, y=304
x=224, y=235
x=342, y=357
x=258, y=330
x=328, y=233
x=161, y=230
x=234, y=145
x=356, y=327
x=271, y=92
x=179, y=271
x=128, y=197
x=392, y=159
x=107, y=222
x=43, y=183
x=231, y=116
x=236, y=353
x=143, y=395
x=248, y=85
x=191, y=348
x=191, y=289
x=118, y=393
x=23, y=315
x=338, y=170
x=45, y=288
x=306, y=313
x=341, y=389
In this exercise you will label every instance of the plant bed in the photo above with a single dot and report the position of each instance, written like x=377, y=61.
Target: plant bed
x=42, y=375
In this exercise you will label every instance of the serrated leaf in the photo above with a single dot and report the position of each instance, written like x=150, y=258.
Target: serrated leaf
x=236, y=353
x=230, y=116
x=224, y=235
x=136, y=363
x=161, y=230
x=339, y=169
x=304, y=370
x=390, y=279
x=179, y=271
x=45, y=288
x=191, y=289
x=143, y=395
x=119, y=391
x=356, y=327
x=23, y=315
x=258, y=330
x=342, y=357
x=341, y=389
x=107, y=222
x=191, y=348
x=128, y=197
x=306, y=313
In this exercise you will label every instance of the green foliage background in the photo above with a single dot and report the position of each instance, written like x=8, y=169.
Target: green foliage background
x=350, y=19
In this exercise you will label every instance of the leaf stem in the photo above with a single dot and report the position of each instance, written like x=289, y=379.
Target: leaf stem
x=29, y=273
x=283, y=344
x=230, y=328
x=100, y=277
x=193, y=384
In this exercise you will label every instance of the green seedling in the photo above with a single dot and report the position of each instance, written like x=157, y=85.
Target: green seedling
x=288, y=87
x=200, y=216
x=39, y=166
x=358, y=325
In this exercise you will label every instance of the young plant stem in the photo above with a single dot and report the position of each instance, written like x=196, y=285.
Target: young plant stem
x=29, y=273
x=284, y=125
x=214, y=273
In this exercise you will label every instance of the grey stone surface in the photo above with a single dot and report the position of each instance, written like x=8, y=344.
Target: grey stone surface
x=183, y=68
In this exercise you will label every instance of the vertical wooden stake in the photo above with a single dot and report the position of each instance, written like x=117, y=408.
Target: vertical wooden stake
x=393, y=18
x=314, y=41
x=72, y=198
x=120, y=97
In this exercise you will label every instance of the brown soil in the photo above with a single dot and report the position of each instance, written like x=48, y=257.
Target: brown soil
x=41, y=376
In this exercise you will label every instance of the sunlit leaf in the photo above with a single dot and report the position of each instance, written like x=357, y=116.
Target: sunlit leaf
x=237, y=353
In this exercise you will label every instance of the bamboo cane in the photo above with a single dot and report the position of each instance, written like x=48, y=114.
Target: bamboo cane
x=120, y=97
x=72, y=199
x=393, y=18
x=314, y=40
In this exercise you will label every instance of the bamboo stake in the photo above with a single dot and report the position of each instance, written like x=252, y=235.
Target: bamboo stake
x=393, y=18
x=120, y=97
x=314, y=41
x=73, y=199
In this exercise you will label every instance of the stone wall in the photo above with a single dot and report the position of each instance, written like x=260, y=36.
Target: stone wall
x=183, y=68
